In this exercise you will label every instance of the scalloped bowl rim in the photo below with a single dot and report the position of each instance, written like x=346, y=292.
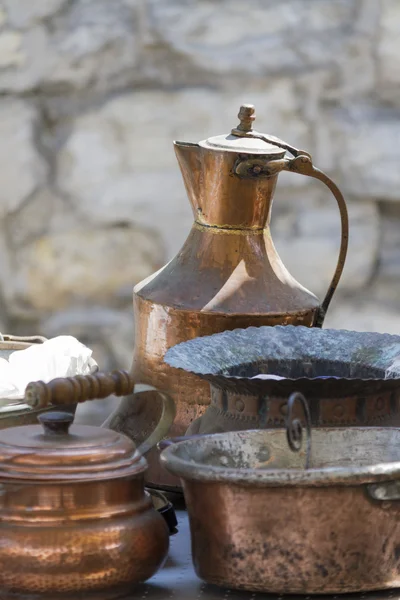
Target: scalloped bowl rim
x=211, y=374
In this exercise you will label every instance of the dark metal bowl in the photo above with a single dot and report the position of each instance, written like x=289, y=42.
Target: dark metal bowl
x=348, y=377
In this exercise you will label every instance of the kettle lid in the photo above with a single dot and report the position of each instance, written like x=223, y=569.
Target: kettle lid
x=59, y=451
x=243, y=139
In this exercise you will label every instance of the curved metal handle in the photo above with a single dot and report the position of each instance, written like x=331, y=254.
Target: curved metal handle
x=294, y=430
x=385, y=491
x=302, y=164
x=126, y=417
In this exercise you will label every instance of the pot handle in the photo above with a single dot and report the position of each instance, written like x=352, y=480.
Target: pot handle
x=385, y=491
x=72, y=390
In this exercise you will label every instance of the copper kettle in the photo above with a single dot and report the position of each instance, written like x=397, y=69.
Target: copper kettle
x=228, y=273
x=75, y=519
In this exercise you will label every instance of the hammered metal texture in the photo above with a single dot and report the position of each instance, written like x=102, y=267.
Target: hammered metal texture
x=58, y=541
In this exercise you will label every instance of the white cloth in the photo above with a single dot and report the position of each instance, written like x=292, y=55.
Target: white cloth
x=62, y=356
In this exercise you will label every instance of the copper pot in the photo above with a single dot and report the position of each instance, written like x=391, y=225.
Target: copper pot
x=74, y=515
x=228, y=273
x=260, y=521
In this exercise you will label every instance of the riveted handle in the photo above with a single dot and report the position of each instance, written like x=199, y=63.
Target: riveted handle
x=56, y=423
x=384, y=491
x=303, y=165
x=72, y=390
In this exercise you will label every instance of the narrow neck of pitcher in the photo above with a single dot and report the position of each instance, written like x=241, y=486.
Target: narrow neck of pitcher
x=233, y=220
x=231, y=204
x=218, y=196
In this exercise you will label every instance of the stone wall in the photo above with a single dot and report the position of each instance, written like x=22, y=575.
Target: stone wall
x=91, y=199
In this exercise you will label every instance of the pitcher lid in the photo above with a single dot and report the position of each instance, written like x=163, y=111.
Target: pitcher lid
x=58, y=451
x=243, y=139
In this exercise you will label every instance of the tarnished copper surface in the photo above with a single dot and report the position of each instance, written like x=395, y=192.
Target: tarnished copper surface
x=178, y=580
x=230, y=411
x=262, y=522
x=74, y=516
x=281, y=543
x=191, y=394
x=228, y=273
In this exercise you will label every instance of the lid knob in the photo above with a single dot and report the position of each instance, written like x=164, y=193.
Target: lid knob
x=246, y=117
x=56, y=423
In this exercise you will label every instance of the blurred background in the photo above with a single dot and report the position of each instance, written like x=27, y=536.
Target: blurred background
x=93, y=93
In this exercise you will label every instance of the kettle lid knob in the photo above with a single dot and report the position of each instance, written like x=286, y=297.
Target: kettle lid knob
x=56, y=423
x=243, y=139
x=246, y=117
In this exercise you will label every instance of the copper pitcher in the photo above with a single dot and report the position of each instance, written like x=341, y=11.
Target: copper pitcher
x=228, y=273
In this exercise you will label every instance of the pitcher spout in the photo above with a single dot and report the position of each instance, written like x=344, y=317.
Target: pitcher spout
x=190, y=162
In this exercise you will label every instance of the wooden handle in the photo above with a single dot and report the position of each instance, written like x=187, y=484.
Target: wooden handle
x=72, y=390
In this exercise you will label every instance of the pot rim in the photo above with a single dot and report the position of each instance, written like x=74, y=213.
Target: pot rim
x=212, y=373
x=319, y=477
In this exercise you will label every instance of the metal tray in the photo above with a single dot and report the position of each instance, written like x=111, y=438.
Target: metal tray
x=178, y=581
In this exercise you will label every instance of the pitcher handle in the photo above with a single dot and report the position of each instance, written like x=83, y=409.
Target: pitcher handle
x=302, y=164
